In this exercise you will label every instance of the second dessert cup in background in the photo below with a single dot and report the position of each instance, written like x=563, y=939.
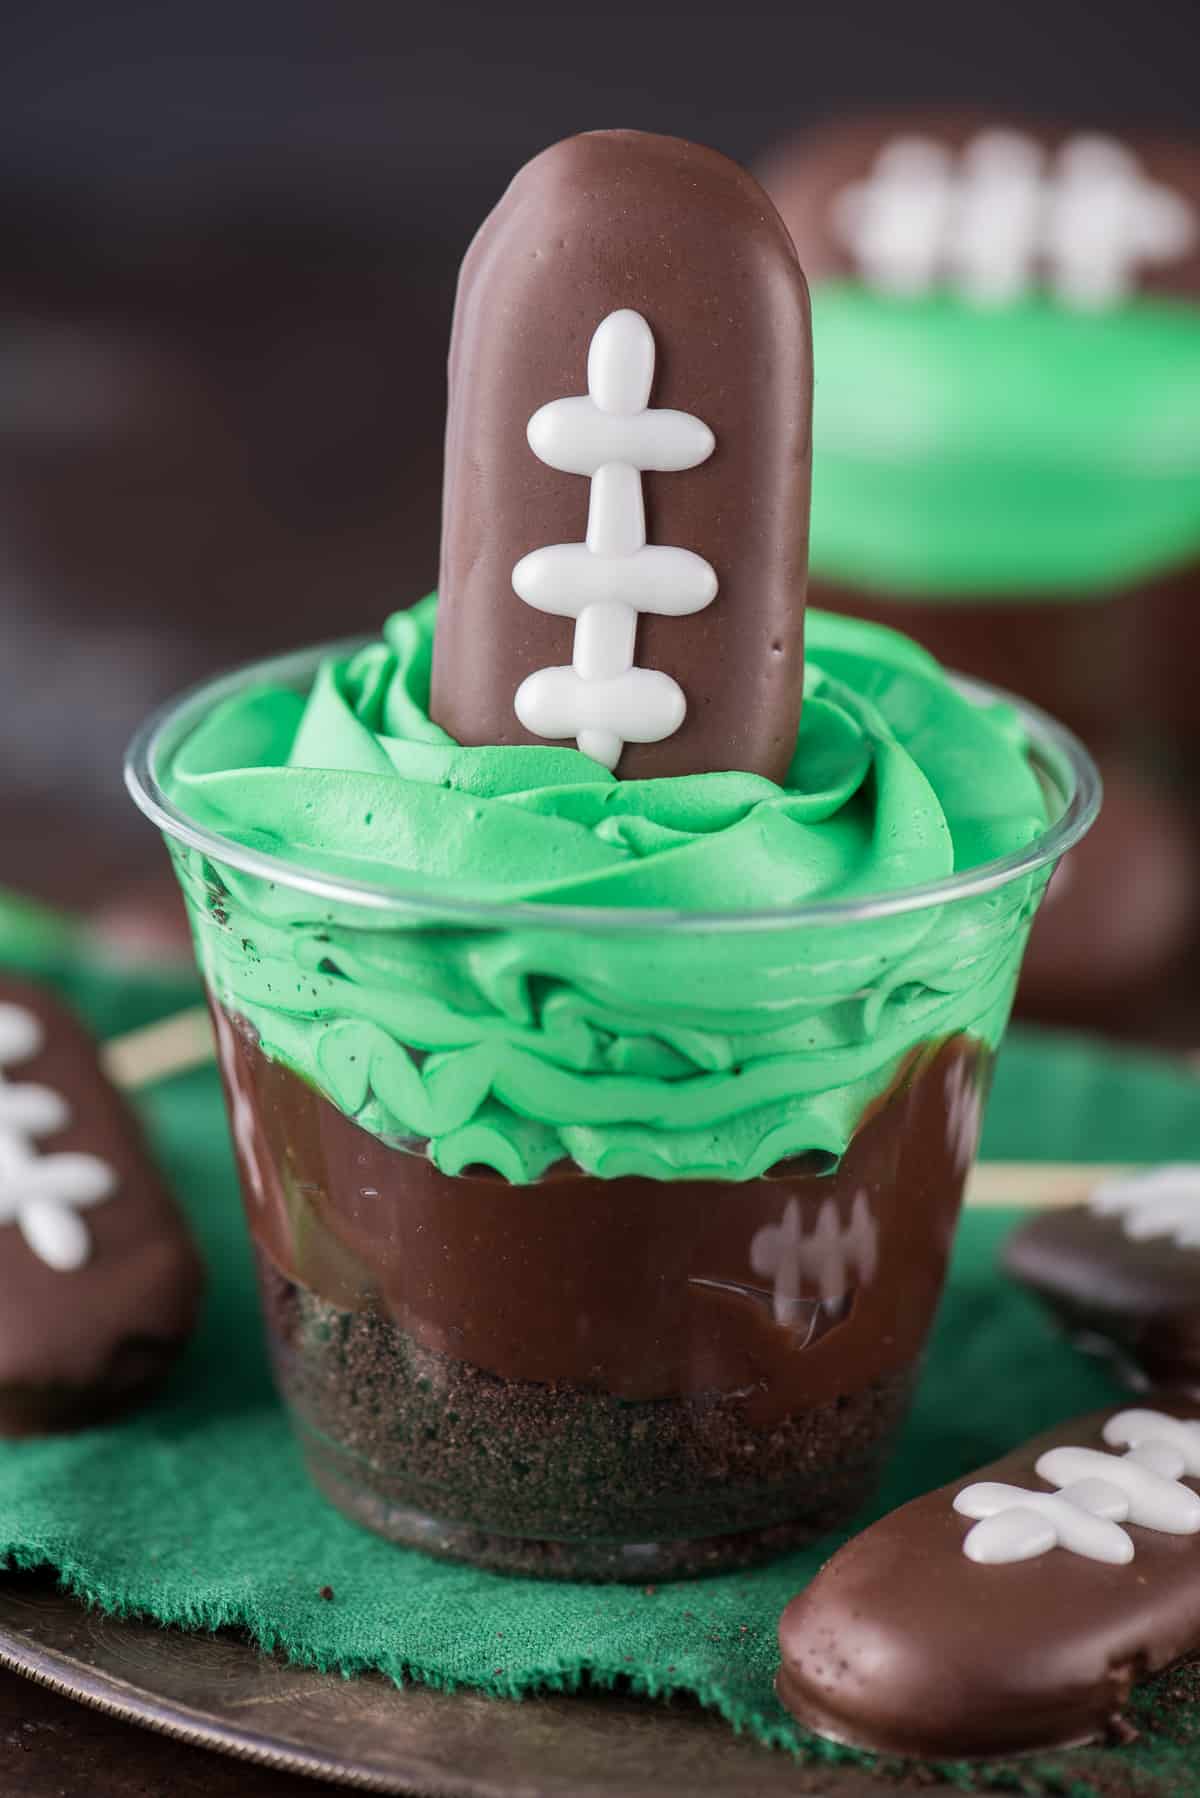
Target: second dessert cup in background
x=1006, y=320
x=599, y=1235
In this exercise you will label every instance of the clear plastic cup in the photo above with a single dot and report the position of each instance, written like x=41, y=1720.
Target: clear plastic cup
x=643, y=1372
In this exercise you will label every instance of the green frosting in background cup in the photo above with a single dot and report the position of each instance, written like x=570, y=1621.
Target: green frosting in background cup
x=1023, y=452
x=506, y=956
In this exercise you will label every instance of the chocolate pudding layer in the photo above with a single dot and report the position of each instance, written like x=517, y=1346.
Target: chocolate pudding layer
x=599, y=1378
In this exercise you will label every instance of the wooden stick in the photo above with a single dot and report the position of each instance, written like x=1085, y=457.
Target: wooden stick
x=185, y=1041
x=156, y=1051
x=1039, y=1185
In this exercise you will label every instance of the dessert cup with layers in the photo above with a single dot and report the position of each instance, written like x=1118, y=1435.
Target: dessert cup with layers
x=1009, y=359
x=599, y=1231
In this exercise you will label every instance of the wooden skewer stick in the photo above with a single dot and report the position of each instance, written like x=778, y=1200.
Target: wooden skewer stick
x=1038, y=1185
x=185, y=1041
x=156, y=1051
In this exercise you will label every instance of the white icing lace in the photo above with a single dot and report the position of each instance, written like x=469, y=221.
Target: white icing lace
x=1097, y=1493
x=995, y=219
x=611, y=434
x=828, y=1257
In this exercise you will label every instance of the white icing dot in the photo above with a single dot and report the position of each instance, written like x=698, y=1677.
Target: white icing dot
x=21, y=1034
x=1143, y=1430
x=1097, y=1493
x=32, y=1110
x=56, y=1234
x=42, y=1193
x=897, y=221
x=612, y=435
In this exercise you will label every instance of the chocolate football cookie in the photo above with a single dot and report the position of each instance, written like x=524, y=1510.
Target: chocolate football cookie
x=625, y=536
x=1007, y=315
x=992, y=208
x=1015, y=1609
x=1122, y=1272
x=99, y=1278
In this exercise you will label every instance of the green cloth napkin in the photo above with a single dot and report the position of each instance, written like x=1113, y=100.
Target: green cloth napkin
x=198, y=1512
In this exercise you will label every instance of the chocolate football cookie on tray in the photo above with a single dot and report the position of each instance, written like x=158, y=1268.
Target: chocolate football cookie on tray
x=99, y=1279
x=1015, y=1609
x=1122, y=1272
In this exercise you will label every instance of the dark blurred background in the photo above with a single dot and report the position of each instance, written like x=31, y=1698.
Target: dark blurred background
x=230, y=236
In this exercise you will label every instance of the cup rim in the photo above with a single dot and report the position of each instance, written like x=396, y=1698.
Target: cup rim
x=1058, y=757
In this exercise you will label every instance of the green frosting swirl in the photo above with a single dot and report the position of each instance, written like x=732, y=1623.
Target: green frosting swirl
x=1026, y=451
x=660, y=1048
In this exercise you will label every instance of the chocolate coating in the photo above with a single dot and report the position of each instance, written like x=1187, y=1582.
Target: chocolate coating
x=649, y=1382
x=79, y=1346
x=624, y=219
x=1138, y=1301
x=903, y=1645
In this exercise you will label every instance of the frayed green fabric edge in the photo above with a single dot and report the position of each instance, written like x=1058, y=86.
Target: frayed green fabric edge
x=1169, y=1767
